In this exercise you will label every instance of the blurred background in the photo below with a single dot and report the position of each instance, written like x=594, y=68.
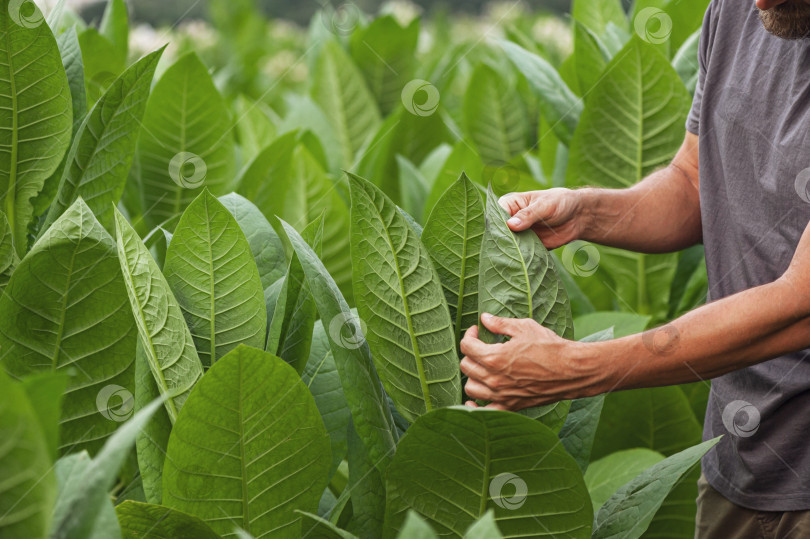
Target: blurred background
x=162, y=12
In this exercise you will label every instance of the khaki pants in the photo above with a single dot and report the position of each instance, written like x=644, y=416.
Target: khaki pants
x=718, y=518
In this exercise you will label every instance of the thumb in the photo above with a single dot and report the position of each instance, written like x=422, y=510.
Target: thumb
x=501, y=326
x=525, y=218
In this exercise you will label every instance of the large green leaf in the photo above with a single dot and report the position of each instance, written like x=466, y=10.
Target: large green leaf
x=361, y=386
x=65, y=309
x=630, y=510
x=266, y=246
x=366, y=488
x=254, y=127
x=463, y=159
x=686, y=61
x=590, y=57
x=559, y=105
x=338, y=87
x=35, y=117
x=455, y=464
x=518, y=278
x=453, y=236
x=608, y=474
x=102, y=63
x=658, y=418
x=385, y=53
x=115, y=26
x=289, y=334
x=147, y=521
x=495, y=117
x=165, y=337
x=484, y=528
x=84, y=485
x=248, y=448
x=399, y=297
x=211, y=272
x=28, y=489
x=322, y=378
x=101, y=154
x=266, y=180
x=633, y=122
x=186, y=142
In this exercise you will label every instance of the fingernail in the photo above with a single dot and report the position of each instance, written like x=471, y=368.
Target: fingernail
x=514, y=221
x=486, y=316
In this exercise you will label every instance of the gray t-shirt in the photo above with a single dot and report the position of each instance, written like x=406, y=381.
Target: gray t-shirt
x=752, y=113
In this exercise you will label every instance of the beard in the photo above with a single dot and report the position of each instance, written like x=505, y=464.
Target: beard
x=790, y=20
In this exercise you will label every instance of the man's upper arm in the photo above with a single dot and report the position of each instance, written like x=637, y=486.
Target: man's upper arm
x=687, y=160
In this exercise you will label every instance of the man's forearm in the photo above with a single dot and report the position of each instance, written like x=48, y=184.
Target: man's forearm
x=729, y=334
x=660, y=214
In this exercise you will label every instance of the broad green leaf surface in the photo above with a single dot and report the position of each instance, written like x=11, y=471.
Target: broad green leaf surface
x=590, y=57
x=115, y=27
x=596, y=14
x=339, y=89
x=579, y=430
x=102, y=151
x=462, y=160
x=414, y=188
x=631, y=509
x=102, y=63
x=366, y=487
x=688, y=263
x=518, y=278
x=83, y=486
x=8, y=255
x=322, y=378
x=658, y=418
x=266, y=246
x=166, y=340
x=248, y=448
x=685, y=16
x=45, y=392
x=28, y=489
x=494, y=116
x=605, y=476
x=35, y=115
x=289, y=335
x=455, y=464
x=560, y=106
x=623, y=324
x=65, y=309
x=361, y=386
x=211, y=271
x=147, y=521
x=266, y=180
x=385, y=52
x=399, y=297
x=453, y=236
x=151, y=442
x=633, y=122
x=186, y=143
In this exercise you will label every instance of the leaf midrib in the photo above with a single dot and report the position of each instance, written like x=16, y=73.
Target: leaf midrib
x=420, y=367
x=12, y=178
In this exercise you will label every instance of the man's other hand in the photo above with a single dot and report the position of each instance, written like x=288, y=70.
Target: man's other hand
x=554, y=214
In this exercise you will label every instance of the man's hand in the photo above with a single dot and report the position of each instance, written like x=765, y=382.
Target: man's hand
x=554, y=214
x=534, y=367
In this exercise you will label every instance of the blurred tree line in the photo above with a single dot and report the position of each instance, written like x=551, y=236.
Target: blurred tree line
x=162, y=12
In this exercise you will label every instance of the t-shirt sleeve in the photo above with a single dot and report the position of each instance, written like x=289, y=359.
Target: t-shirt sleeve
x=706, y=37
